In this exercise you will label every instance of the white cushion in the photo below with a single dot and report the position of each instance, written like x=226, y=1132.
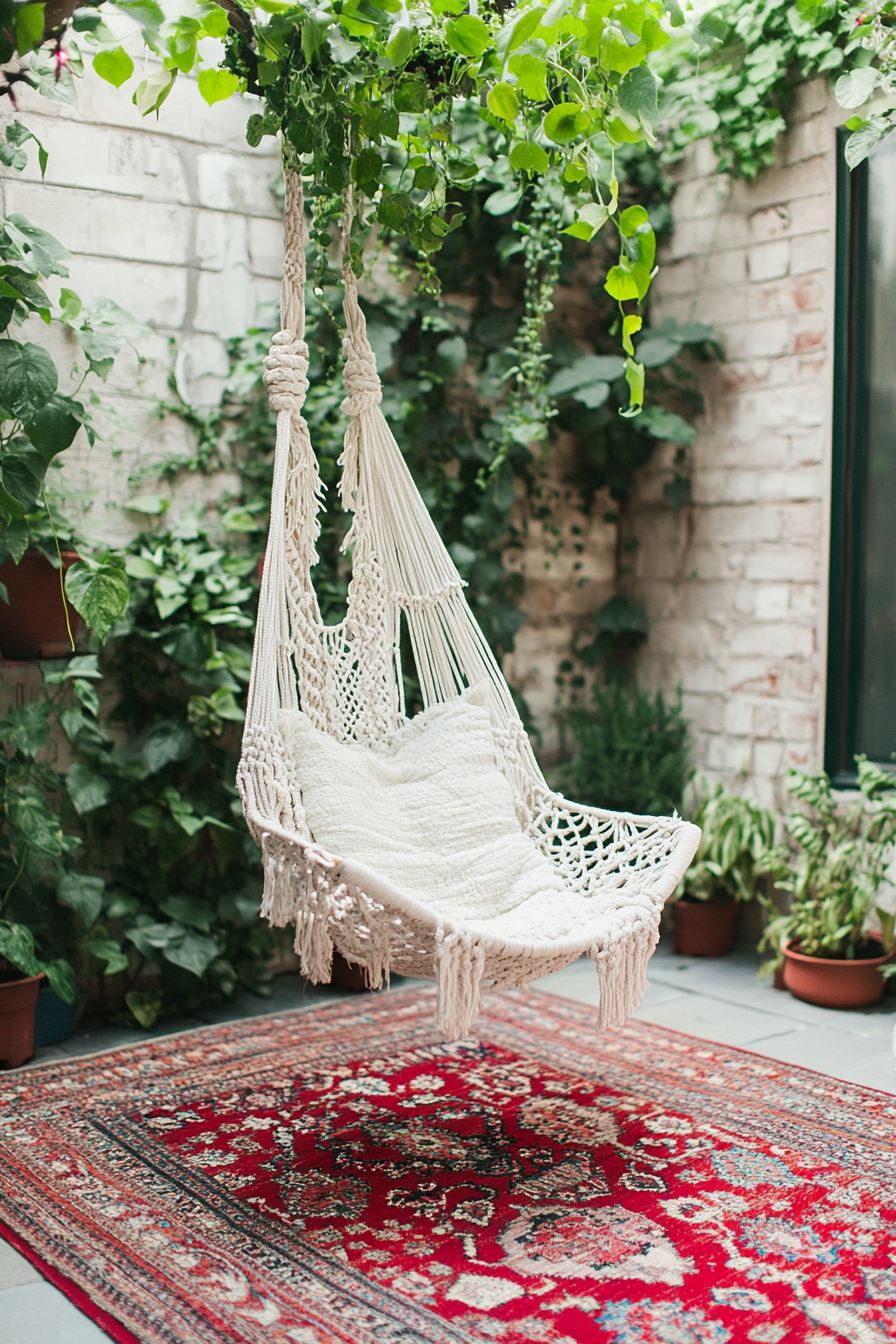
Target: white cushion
x=432, y=813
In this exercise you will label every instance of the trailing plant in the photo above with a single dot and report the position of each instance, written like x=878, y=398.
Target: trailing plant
x=366, y=95
x=733, y=76
x=37, y=420
x=38, y=930
x=737, y=854
x=631, y=751
x=843, y=853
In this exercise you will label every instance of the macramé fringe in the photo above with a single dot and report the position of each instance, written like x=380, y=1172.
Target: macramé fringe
x=460, y=963
x=622, y=971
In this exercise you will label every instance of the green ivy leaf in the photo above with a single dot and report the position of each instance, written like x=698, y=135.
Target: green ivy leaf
x=195, y=952
x=29, y=811
x=151, y=93
x=637, y=94
x=529, y=158
x=115, y=67
x=366, y=167
x=531, y=73
x=21, y=479
x=503, y=103
x=400, y=44
x=862, y=141
x=82, y=893
x=426, y=177
x=621, y=284
x=566, y=122
x=666, y=425
x=634, y=376
x=145, y=1004
x=14, y=541
x=87, y=790
x=99, y=593
x=630, y=220
x=28, y=378
x=61, y=978
x=26, y=729
x=186, y=910
x=98, y=944
x=165, y=742
x=502, y=202
x=29, y=21
x=216, y=85
x=54, y=427
x=47, y=252
x=468, y=35
x=17, y=943
x=710, y=31
x=518, y=29
x=855, y=88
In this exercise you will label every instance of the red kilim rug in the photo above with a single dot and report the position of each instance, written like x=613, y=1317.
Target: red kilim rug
x=341, y=1174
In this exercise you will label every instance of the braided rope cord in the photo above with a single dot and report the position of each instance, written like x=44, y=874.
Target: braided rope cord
x=618, y=869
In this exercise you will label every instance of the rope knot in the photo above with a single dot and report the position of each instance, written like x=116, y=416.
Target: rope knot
x=286, y=373
x=362, y=382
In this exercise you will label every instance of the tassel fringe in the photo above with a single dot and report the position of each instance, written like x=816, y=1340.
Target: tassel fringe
x=460, y=963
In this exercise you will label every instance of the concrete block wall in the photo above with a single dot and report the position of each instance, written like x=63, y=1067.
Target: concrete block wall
x=735, y=585
x=175, y=220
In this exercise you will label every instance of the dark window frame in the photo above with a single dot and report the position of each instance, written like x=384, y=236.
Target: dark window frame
x=848, y=441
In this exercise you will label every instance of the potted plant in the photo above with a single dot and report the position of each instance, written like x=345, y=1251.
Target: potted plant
x=21, y=974
x=737, y=855
x=829, y=956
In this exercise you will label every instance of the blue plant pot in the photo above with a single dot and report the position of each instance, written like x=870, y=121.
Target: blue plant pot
x=53, y=1018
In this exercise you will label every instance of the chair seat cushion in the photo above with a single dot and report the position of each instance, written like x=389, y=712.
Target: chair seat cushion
x=432, y=813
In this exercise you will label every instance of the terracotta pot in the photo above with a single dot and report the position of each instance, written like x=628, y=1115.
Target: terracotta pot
x=834, y=984
x=704, y=928
x=18, y=1000
x=33, y=625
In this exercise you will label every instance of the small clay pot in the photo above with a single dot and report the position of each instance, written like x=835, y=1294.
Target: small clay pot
x=18, y=1000
x=834, y=984
x=33, y=625
x=704, y=928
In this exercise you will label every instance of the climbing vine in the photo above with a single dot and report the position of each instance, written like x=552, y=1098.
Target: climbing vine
x=733, y=75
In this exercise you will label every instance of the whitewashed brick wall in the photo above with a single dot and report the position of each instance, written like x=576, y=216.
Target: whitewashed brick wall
x=735, y=585
x=173, y=219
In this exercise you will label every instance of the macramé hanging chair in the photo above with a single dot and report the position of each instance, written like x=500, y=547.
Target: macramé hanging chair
x=470, y=871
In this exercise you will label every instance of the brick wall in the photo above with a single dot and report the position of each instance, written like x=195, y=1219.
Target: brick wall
x=172, y=218
x=735, y=585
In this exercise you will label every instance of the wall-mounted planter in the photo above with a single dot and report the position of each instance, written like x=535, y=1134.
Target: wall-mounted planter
x=33, y=625
x=18, y=1000
x=834, y=984
x=704, y=928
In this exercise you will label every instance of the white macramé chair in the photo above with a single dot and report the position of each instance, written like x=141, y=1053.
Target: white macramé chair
x=348, y=680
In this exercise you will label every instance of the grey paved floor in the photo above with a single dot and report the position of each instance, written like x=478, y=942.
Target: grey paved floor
x=719, y=1000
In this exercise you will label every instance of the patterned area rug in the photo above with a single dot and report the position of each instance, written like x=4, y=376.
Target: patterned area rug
x=340, y=1174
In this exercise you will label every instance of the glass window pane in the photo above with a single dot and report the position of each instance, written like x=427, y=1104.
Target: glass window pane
x=876, y=689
